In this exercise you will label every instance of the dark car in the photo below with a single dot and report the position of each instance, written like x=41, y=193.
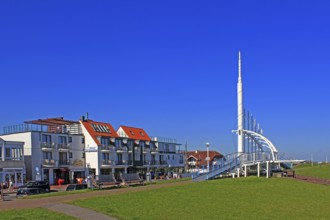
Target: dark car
x=22, y=192
x=37, y=184
x=76, y=187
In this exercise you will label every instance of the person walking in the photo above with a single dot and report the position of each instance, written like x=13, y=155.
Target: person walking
x=10, y=187
x=1, y=191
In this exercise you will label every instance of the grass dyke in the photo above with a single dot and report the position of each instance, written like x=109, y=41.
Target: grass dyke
x=318, y=171
x=253, y=198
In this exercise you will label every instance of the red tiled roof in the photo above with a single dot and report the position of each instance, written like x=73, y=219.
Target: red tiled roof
x=96, y=129
x=201, y=155
x=136, y=133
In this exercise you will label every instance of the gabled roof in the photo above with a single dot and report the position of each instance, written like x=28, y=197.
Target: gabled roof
x=201, y=156
x=136, y=133
x=96, y=129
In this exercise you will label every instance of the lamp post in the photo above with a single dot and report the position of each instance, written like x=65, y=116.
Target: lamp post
x=207, y=156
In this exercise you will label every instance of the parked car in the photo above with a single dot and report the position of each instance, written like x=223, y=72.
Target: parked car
x=22, y=192
x=37, y=184
x=76, y=187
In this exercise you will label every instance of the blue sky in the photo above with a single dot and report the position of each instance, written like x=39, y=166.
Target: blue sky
x=171, y=67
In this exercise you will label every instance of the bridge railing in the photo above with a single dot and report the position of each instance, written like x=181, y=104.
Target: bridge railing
x=230, y=162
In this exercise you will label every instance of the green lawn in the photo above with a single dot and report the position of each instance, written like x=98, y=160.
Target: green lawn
x=36, y=214
x=244, y=198
x=322, y=171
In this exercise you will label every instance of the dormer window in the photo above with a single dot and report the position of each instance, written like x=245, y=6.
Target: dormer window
x=132, y=133
x=142, y=134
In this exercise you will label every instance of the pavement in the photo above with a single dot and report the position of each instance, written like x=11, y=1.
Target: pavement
x=59, y=203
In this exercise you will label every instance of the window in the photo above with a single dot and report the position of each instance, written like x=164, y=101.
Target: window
x=120, y=158
x=46, y=138
x=70, y=140
x=101, y=128
x=70, y=155
x=47, y=155
x=7, y=152
x=105, y=141
x=83, y=155
x=130, y=143
x=142, y=134
x=168, y=157
x=118, y=143
x=172, y=157
x=82, y=140
x=181, y=159
x=0, y=152
x=63, y=157
x=105, y=156
x=62, y=139
x=17, y=153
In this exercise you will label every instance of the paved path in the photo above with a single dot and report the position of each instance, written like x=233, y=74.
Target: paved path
x=313, y=180
x=56, y=203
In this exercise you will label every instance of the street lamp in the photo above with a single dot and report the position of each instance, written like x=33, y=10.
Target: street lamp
x=207, y=156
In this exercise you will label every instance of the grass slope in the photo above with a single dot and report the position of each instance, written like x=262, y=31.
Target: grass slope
x=39, y=213
x=322, y=171
x=244, y=198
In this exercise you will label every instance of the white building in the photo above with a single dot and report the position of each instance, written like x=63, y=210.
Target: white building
x=58, y=150
x=11, y=162
x=128, y=150
x=53, y=149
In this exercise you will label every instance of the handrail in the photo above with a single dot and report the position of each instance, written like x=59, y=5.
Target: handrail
x=231, y=162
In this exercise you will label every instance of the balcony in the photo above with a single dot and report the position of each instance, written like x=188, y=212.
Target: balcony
x=121, y=162
x=45, y=146
x=49, y=163
x=64, y=163
x=106, y=163
x=130, y=149
x=192, y=163
x=146, y=150
x=107, y=148
x=121, y=149
x=154, y=162
x=151, y=162
x=154, y=150
x=63, y=147
x=163, y=162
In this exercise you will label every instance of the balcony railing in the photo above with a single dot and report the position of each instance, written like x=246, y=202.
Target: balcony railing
x=154, y=150
x=47, y=146
x=106, y=162
x=154, y=162
x=146, y=150
x=64, y=162
x=163, y=162
x=121, y=149
x=192, y=163
x=151, y=162
x=49, y=162
x=121, y=162
x=105, y=147
x=63, y=146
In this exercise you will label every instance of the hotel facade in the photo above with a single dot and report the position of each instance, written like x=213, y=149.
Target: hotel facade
x=56, y=149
